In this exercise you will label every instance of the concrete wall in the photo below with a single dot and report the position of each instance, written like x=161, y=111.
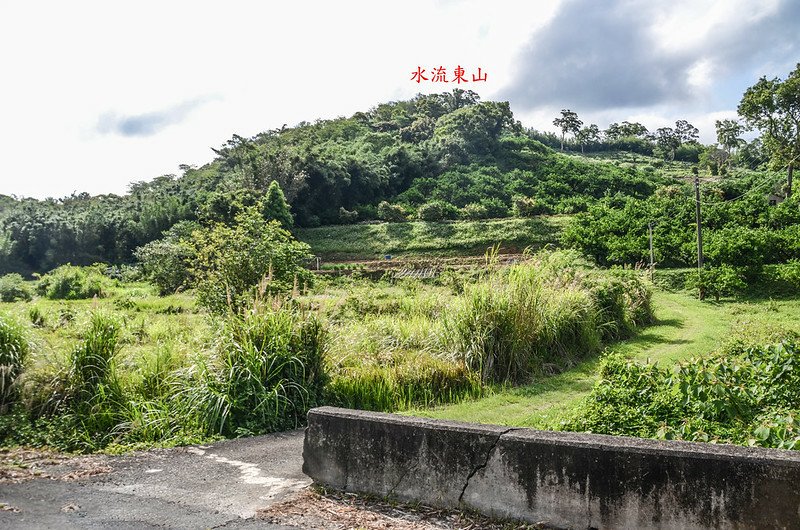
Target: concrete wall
x=566, y=480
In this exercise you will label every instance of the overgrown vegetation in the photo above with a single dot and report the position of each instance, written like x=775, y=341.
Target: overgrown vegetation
x=14, y=348
x=13, y=288
x=742, y=394
x=110, y=376
x=69, y=282
x=549, y=312
x=745, y=232
x=438, y=156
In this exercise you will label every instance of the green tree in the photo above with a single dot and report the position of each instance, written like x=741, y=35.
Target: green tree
x=568, y=123
x=728, y=134
x=667, y=141
x=393, y=213
x=166, y=262
x=254, y=257
x=626, y=129
x=717, y=281
x=588, y=135
x=274, y=206
x=773, y=107
x=686, y=132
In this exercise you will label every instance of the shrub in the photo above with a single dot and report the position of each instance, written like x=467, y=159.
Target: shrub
x=14, y=348
x=36, y=317
x=68, y=282
x=790, y=273
x=166, y=262
x=495, y=207
x=474, y=211
x=529, y=207
x=742, y=394
x=13, y=288
x=741, y=246
x=717, y=281
x=346, y=216
x=393, y=213
x=437, y=211
x=236, y=264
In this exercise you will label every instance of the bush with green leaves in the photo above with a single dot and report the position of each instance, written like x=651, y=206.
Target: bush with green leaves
x=437, y=211
x=36, y=316
x=717, y=281
x=13, y=288
x=529, y=207
x=236, y=264
x=347, y=216
x=69, y=282
x=166, y=262
x=14, y=349
x=394, y=213
x=790, y=273
x=495, y=208
x=743, y=394
x=474, y=211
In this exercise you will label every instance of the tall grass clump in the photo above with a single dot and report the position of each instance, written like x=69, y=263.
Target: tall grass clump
x=69, y=282
x=94, y=394
x=542, y=315
x=75, y=401
x=14, y=349
x=425, y=382
x=267, y=373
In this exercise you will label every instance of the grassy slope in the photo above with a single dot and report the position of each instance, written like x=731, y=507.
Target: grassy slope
x=371, y=241
x=686, y=327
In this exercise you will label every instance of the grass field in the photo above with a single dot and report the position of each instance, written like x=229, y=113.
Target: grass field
x=685, y=327
x=372, y=241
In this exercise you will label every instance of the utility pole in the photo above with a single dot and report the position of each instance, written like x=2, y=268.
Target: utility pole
x=650, y=234
x=699, y=228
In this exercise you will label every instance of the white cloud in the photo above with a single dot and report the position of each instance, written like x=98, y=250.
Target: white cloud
x=256, y=66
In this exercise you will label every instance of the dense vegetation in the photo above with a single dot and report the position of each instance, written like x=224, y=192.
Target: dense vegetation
x=130, y=367
x=740, y=227
x=440, y=156
x=741, y=394
x=243, y=338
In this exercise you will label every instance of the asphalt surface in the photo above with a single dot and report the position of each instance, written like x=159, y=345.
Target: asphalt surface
x=215, y=486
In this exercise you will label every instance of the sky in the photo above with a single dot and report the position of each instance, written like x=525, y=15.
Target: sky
x=95, y=95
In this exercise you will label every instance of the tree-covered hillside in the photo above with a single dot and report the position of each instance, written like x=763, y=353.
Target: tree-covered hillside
x=435, y=157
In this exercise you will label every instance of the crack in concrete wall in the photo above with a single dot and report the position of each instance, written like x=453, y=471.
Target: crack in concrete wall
x=557, y=478
x=483, y=465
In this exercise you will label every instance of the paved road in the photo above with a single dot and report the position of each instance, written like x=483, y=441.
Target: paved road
x=220, y=485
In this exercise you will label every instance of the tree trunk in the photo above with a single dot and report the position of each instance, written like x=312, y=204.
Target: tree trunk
x=789, y=181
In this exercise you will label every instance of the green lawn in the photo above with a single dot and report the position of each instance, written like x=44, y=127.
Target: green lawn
x=685, y=327
x=373, y=241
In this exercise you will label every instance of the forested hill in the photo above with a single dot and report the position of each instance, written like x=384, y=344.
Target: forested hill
x=445, y=154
